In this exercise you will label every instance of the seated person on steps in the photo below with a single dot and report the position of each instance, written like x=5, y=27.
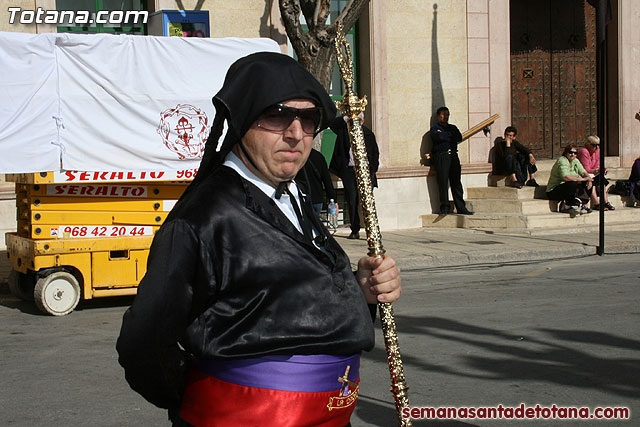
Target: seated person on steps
x=634, y=180
x=589, y=157
x=570, y=183
x=514, y=159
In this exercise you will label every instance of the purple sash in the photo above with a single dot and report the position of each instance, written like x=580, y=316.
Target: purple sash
x=300, y=373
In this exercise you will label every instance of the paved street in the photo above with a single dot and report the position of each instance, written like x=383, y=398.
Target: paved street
x=563, y=332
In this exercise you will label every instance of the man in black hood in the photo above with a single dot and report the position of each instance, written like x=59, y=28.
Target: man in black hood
x=249, y=313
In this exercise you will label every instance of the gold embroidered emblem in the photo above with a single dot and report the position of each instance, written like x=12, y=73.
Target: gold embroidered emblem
x=347, y=395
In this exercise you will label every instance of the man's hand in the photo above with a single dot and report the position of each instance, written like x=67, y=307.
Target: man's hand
x=532, y=159
x=379, y=279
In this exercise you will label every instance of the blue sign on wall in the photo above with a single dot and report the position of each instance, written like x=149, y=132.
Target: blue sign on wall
x=184, y=23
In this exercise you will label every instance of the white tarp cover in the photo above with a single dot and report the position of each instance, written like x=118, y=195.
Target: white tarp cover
x=110, y=102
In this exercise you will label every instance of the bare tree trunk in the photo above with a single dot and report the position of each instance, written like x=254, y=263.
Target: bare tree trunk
x=322, y=66
x=315, y=47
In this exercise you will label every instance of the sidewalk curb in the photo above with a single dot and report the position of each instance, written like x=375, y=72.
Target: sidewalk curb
x=411, y=254
x=462, y=259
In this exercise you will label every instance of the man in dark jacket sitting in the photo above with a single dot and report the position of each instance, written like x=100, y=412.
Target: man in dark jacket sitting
x=514, y=159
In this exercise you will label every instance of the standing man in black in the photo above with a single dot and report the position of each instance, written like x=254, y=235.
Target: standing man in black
x=444, y=158
x=342, y=165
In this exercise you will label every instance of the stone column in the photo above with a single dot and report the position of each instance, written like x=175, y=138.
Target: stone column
x=378, y=110
x=478, y=76
x=629, y=83
x=499, y=66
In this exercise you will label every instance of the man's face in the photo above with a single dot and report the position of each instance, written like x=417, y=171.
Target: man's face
x=443, y=117
x=278, y=155
x=509, y=136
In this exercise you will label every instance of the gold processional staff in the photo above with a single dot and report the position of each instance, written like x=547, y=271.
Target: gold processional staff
x=351, y=106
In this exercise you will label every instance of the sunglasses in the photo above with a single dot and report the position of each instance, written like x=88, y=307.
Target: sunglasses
x=572, y=152
x=279, y=117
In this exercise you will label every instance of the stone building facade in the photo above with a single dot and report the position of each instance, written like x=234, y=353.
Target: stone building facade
x=418, y=55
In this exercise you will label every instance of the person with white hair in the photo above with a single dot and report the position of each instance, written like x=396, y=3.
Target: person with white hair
x=589, y=157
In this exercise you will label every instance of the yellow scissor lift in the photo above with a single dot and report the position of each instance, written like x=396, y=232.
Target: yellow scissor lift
x=83, y=239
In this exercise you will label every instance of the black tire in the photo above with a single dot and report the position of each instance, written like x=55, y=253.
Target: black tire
x=21, y=286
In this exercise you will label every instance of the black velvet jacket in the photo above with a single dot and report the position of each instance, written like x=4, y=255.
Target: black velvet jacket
x=340, y=158
x=445, y=137
x=499, y=164
x=229, y=276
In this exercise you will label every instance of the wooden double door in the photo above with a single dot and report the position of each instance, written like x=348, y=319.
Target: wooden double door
x=553, y=73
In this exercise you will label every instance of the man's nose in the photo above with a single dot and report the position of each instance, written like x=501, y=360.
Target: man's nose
x=295, y=129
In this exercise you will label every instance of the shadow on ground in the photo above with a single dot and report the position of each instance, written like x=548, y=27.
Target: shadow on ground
x=558, y=359
x=379, y=413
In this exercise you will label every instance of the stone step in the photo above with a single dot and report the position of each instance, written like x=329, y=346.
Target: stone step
x=510, y=193
x=525, y=193
x=618, y=226
x=547, y=164
x=479, y=220
x=561, y=220
x=528, y=211
x=530, y=206
x=515, y=221
x=542, y=177
x=526, y=207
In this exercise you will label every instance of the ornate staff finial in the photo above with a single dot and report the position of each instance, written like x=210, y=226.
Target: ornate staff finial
x=352, y=107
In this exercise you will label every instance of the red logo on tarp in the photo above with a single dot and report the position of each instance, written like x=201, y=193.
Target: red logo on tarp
x=184, y=130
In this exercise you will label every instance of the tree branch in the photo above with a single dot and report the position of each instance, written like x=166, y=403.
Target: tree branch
x=308, y=8
x=315, y=48
x=290, y=12
x=350, y=14
x=324, y=11
x=316, y=12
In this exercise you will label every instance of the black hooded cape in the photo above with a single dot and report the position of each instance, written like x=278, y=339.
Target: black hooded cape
x=229, y=276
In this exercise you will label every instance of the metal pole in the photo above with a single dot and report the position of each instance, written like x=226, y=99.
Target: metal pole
x=601, y=20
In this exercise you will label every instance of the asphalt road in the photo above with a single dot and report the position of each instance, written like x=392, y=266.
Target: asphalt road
x=563, y=333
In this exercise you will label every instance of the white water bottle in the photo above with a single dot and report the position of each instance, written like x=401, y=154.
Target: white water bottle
x=333, y=214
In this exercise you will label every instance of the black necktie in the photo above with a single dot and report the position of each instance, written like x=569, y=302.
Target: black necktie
x=280, y=189
x=304, y=222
